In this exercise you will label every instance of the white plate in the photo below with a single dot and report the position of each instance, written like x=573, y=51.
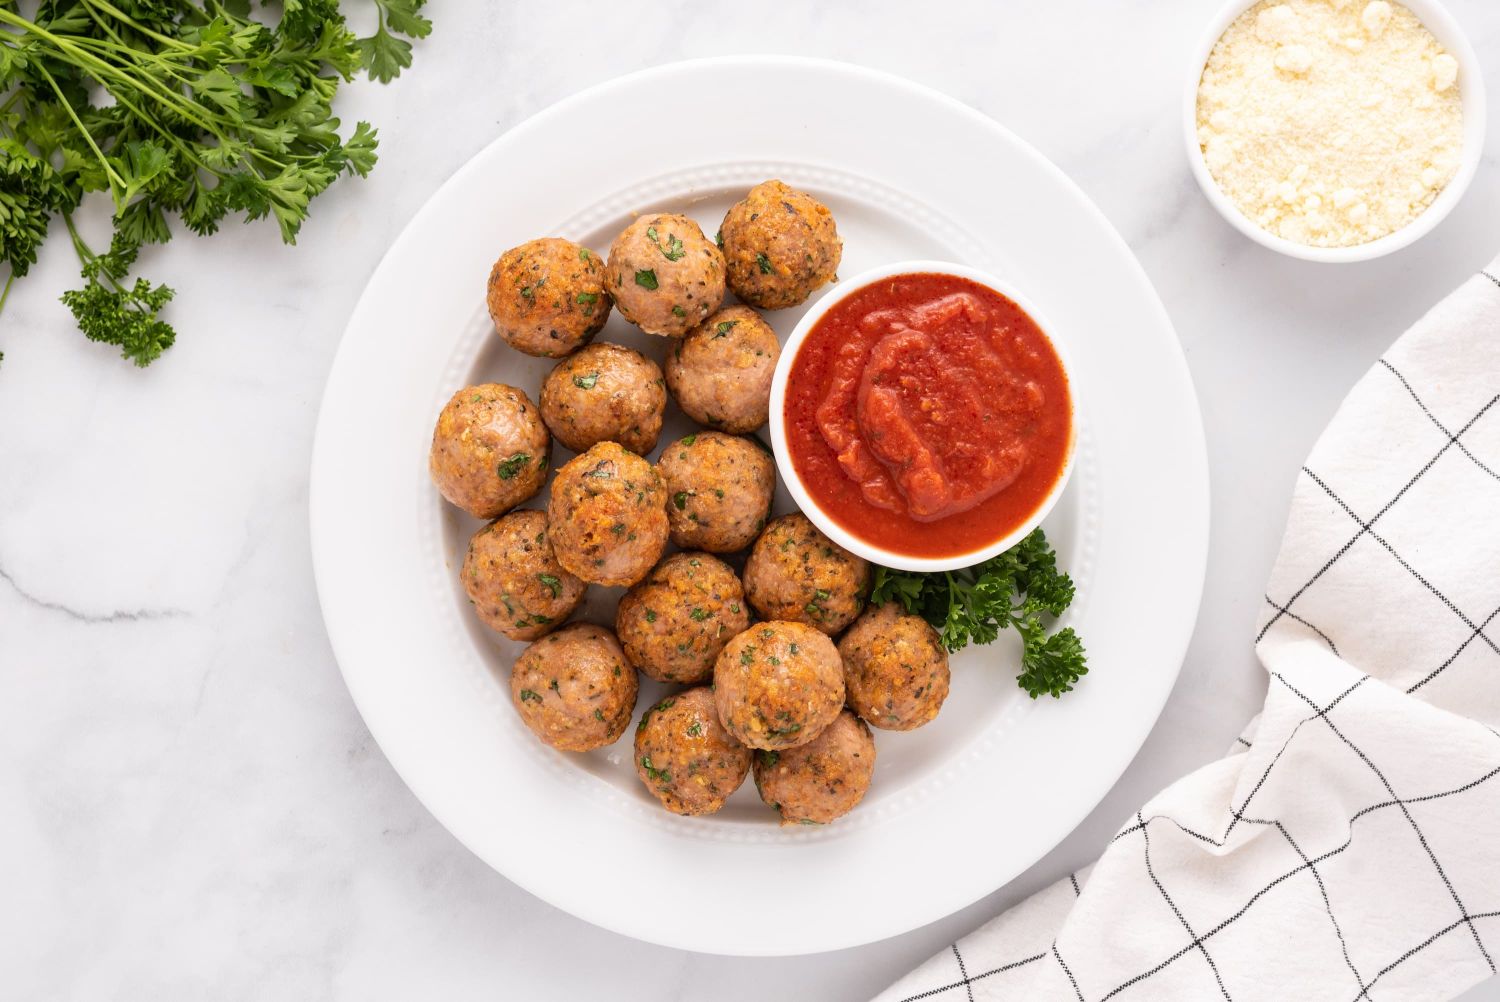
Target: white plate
x=958, y=807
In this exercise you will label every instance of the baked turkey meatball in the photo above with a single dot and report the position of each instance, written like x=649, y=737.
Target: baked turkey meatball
x=719, y=490
x=574, y=688
x=664, y=274
x=490, y=449
x=777, y=685
x=720, y=374
x=779, y=245
x=822, y=780
x=547, y=297
x=608, y=516
x=605, y=393
x=514, y=581
x=797, y=573
x=674, y=624
x=895, y=668
x=685, y=756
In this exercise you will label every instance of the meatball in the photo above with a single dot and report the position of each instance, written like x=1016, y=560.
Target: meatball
x=605, y=393
x=514, y=581
x=797, y=573
x=720, y=374
x=777, y=685
x=719, y=490
x=895, y=668
x=779, y=245
x=685, y=756
x=674, y=624
x=822, y=780
x=664, y=274
x=490, y=449
x=547, y=297
x=608, y=516
x=574, y=688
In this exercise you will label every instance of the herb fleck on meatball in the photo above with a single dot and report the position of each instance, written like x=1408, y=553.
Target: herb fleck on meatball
x=685, y=756
x=547, y=297
x=664, y=274
x=490, y=450
x=796, y=573
x=780, y=244
x=720, y=373
x=605, y=393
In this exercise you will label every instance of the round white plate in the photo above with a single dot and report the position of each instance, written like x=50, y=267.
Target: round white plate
x=956, y=808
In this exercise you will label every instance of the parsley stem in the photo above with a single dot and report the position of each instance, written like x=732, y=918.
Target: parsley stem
x=115, y=178
x=5, y=293
x=86, y=253
x=120, y=15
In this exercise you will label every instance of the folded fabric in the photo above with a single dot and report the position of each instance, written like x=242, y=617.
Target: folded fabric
x=1348, y=847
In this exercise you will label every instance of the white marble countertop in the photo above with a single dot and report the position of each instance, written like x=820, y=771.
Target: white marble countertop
x=192, y=807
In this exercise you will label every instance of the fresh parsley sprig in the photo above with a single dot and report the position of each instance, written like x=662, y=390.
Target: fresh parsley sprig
x=175, y=109
x=1013, y=590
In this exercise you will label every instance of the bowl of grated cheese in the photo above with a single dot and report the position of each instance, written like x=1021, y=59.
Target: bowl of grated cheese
x=1334, y=130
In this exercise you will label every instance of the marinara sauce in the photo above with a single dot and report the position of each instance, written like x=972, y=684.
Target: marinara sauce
x=928, y=415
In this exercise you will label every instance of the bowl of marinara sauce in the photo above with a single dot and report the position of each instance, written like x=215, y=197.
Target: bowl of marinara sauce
x=923, y=416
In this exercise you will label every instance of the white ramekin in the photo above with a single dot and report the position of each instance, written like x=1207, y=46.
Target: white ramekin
x=782, y=449
x=1471, y=90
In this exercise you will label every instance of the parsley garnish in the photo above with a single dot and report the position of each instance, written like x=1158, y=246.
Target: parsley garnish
x=699, y=615
x=193, y=111
x=724, y=327
x=646, y=279
x=680, y=499
x=765, y=264
x=690, y=439
x=528, y=696
x=586, y=382
x=551, y=583
x=1015, y=589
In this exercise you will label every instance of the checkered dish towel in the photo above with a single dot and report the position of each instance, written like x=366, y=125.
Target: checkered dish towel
x=1348, y=847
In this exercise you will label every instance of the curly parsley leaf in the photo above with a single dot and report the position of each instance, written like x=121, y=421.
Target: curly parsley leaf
x=1013, y=590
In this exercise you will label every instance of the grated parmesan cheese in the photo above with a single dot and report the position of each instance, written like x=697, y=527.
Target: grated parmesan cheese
x=1330, y=122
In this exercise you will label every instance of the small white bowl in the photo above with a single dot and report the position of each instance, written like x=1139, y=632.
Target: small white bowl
x=1471, y=91
x=782, y=448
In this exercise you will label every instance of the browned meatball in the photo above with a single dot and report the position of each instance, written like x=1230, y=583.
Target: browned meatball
x=574, y=688
x=605, y=393
x=895, y=668
x=608, y=516
x=685, y=756
x=822, y=780
x=664, y=274
x=490, y=449
x=515, y=583
x=547, y=297
x=720, y=374
x=779, y=245
x=719, y=488
x=797, y=573
x=674, y=624
x=777, y=685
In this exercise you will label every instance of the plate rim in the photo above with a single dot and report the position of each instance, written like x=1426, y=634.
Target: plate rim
x=1195, y=459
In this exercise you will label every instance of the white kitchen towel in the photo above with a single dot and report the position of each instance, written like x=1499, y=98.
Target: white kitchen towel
x=1348, y=847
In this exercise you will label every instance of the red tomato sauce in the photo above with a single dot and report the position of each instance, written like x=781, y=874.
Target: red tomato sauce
x=928, y=415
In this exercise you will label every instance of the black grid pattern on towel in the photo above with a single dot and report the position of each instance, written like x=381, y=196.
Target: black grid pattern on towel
x=1480, y=628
